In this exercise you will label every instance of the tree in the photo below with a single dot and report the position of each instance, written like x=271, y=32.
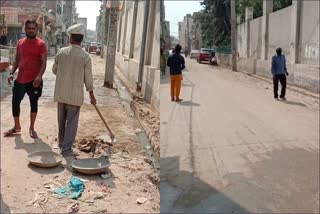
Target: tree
x=279, y=4
x=257, y=6
x=214, y=20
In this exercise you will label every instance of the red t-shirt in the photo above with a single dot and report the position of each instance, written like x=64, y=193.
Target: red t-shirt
x=30, y=51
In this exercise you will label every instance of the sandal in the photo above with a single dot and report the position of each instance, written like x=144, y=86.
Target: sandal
x=33, y=134
x=179, y=100
x=11, y=132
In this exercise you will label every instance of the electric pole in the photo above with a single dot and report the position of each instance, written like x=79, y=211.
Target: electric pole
x=234, y=35
x=143, y=45
x=111, y=44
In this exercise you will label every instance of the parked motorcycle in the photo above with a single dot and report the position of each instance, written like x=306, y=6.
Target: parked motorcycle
x=98, y=52
x=213, y=60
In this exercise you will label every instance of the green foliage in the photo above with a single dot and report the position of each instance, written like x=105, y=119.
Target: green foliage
x=279, y=4
x=214, y=19
x=257, y=6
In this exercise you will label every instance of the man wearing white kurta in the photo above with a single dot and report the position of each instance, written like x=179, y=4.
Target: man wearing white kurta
x=73, y=69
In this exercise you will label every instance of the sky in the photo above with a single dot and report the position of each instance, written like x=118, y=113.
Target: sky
x=89, y=9
x=176, y=10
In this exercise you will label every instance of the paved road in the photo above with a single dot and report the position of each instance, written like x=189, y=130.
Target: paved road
x=230, y=147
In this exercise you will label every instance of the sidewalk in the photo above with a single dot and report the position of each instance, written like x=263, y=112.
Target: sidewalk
x=133, y=177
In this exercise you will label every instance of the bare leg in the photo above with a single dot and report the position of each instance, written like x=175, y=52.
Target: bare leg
x=33, y=117
x=17, y=125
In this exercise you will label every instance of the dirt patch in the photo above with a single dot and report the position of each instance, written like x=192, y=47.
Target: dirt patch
x=132, y=177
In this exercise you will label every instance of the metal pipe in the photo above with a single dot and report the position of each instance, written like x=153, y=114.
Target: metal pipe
x=143, y=44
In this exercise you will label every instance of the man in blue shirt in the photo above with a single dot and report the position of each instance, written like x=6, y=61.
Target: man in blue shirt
x=279, y=72
x=176, y=64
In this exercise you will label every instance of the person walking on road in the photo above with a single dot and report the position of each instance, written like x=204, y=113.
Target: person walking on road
x=162, y=63
x=31, y=59
x=279, y=72
x=73, y=69
x=177, y=64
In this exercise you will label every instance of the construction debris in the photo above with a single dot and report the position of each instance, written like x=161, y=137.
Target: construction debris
x=95, y=146
x=74, y=208
x=106, y=175
x=142, y=200
x=104, y=187
x=40, y=199
x=90, y=196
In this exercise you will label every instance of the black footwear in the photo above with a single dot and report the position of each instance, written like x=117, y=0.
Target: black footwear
x=69, y=153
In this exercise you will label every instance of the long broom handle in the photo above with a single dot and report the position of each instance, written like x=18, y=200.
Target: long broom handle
x=105, y=123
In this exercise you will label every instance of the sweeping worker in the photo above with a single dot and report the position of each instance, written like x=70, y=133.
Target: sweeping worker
x=73, y=69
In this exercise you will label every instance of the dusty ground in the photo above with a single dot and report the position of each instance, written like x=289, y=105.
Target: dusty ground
x=132, y=178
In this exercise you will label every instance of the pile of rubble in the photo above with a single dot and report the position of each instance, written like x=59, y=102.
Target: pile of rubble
x=95, y=146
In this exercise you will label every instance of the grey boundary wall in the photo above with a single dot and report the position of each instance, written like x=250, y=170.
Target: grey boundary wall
x=295, y=29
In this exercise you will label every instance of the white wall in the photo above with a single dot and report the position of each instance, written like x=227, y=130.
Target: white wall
x=255, y=38
x=241, y=38
x=280, y=32
x=309, y=33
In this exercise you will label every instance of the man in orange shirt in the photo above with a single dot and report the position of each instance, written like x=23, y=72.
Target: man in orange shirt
x=31, y=59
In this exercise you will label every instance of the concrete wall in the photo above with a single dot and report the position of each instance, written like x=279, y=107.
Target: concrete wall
x=301, y=75
x=129, y=66
x=309, y=33
x=255, y=38
x=138, y=30
x=224, y=59
x=280, y=32
x=296, y=30
x=242, y=42
x=155, y=36
x=127, y=24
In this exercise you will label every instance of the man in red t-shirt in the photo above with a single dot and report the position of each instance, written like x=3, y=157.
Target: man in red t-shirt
x=31, y=59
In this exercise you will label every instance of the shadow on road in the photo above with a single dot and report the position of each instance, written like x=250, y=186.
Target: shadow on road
x=191, y=192
x=38, y=145
x=46, y=171
x=278, y=184
x=294, y=103
x=187, y=85
x=4, y=207
x=188, y=103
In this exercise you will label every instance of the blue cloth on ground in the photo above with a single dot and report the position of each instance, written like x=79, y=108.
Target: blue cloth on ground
x=73, y=190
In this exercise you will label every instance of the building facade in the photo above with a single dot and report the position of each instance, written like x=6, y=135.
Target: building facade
x=53, y=18
x=84, y=22
x=130, y=39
